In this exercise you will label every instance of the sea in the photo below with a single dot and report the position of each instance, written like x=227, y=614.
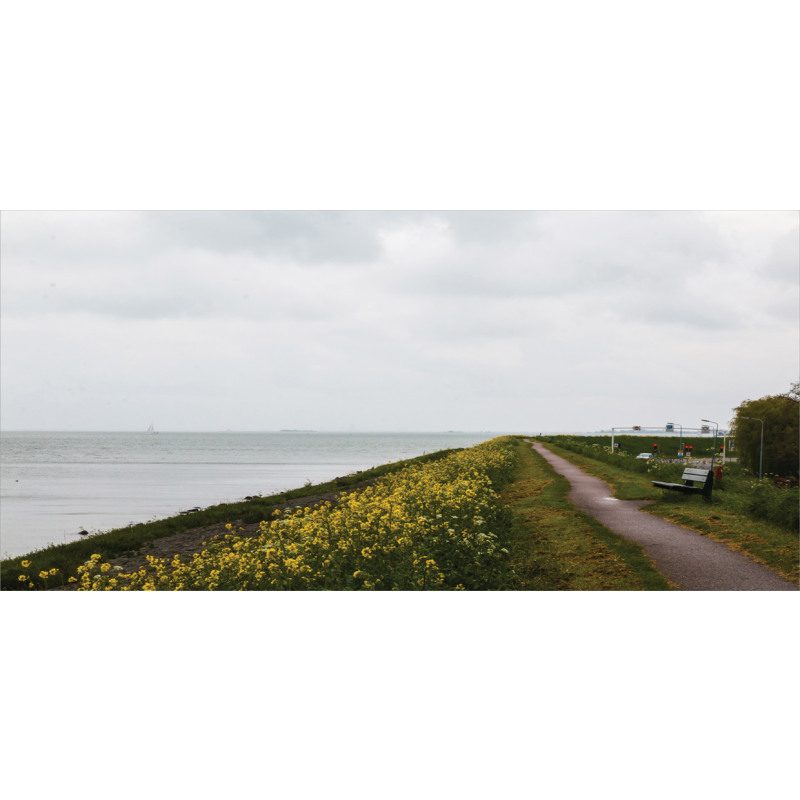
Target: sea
x=54, y=485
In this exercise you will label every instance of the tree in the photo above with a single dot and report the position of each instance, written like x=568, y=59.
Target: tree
x=781, y=416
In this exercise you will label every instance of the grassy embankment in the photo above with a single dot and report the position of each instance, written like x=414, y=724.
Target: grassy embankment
x=66, y=558
x=555, y=546
x=752, y=517
x=432, y=522
x=438, y=525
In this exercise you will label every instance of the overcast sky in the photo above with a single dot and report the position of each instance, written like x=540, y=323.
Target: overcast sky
x=502, y=321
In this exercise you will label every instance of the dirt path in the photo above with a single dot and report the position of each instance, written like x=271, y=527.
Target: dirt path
x=690, y=560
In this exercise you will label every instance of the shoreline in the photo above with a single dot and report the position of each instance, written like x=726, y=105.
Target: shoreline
x=55, y=485
x=182, y=534
x=188, y=543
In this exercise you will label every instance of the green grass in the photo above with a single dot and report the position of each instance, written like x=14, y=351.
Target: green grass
x=735, y=515
x=125, y=541
x=555, y=546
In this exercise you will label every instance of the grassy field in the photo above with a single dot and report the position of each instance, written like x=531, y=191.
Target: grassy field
x=558, y=547
x=752, y=517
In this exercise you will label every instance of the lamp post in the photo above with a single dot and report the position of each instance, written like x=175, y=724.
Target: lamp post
x=761, y=451
x=716, y=428
x=671, y=426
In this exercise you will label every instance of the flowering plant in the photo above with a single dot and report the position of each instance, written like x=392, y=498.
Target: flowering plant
x=432, y=526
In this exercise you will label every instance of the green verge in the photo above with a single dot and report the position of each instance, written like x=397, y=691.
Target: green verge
x=722, y=519
x=66, y=558
x=556, y=547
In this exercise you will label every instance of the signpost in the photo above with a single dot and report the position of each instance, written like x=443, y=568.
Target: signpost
x=670, y=428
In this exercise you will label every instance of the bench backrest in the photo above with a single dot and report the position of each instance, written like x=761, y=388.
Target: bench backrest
x=694, y=474
x=704, y=476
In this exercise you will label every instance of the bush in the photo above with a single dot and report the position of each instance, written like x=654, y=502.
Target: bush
x=763, y=500
x=780, y=415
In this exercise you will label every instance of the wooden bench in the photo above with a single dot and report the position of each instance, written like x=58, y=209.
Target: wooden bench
x=690, y=477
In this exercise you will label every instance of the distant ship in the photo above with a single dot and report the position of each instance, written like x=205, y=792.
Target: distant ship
x=151, y=429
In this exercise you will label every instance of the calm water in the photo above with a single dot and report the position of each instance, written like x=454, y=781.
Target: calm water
x=53, y=485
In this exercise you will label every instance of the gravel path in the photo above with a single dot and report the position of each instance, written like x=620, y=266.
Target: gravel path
x=690, y=560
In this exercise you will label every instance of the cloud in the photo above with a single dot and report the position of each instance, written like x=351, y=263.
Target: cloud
x=554, y=254
x=782, y=264
x=318, y=319
x=308, y=237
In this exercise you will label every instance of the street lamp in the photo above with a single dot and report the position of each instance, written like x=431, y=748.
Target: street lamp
x=671, y=426
x=761, y=452
x=716, y=428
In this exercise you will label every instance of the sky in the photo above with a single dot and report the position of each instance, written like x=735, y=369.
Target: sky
x=393, y=320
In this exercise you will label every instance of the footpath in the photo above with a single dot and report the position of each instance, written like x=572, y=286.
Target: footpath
x=690, y=560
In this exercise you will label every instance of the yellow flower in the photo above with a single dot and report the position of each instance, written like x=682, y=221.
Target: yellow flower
x=26, y=564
